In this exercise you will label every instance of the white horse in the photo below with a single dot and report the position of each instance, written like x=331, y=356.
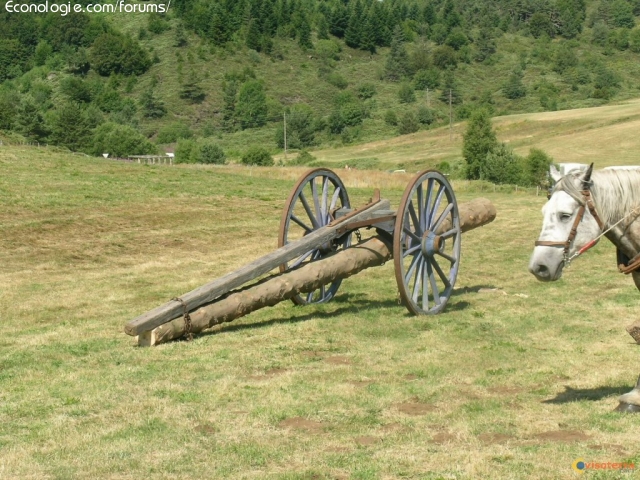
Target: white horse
x=581, y=207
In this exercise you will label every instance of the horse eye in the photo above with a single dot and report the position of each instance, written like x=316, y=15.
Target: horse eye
x=565, y=216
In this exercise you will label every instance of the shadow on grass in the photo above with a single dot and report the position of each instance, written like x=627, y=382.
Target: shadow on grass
x=349, y=303
x=592, y=394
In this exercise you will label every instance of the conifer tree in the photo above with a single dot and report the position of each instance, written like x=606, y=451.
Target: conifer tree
x=323, y=28
x=304, y=33
x=254, y=40
x=30, y=122
x=230, y=92
x=478, y=140
x=397, y=66
x=152, y=107
x=353, y=35
x=339, y=20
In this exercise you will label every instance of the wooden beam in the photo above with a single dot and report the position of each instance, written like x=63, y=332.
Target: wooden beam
x=308, y=278
x=212, y=290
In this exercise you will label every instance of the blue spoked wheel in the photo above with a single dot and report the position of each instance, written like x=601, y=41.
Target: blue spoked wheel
x=310, y=206
x=426, y=243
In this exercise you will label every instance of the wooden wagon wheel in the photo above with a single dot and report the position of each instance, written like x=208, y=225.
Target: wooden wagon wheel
x=426, y=262
x=314, y=198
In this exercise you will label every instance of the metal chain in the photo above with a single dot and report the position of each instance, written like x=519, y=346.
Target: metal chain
x=358, y=235
x=187, y=319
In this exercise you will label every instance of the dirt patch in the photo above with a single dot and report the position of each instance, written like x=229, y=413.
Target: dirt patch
x=563, y=436
x=505, y=390
x=338, y=360
x=268, y=374
x=411, y=376
x=311, y=354
x=205, y=429
x=495, y=438
x=415, y=408
x=338, y=450
x=300, y=423
x=361, y=383
x=442, y=437
x=610, y=447
x=392, y=427
x=366, y=440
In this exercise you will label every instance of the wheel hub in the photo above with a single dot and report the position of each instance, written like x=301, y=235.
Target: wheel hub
x=431, y=243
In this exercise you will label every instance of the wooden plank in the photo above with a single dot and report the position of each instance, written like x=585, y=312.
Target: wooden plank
x=212, y=290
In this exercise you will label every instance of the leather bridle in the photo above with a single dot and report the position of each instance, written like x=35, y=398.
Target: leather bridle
x=587, y=203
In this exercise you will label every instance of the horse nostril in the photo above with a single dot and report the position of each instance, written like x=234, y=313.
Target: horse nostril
x=541, y=271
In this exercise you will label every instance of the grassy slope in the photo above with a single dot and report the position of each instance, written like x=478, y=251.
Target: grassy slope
x=604, y=135
x=295, y=79
x=504, y=386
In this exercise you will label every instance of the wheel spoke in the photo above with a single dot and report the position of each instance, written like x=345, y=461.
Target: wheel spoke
x=442, y=216
x=436, y=203
x=412, y=267
x=307, y=208
x=448, y=257
x=301, y=258
x=414, y=218
x=434, y=285
x=449, y=233
x=416, y=286
x=325, y=195
x=323, y=293
x=334, y=199
x=420, y=225
x=411, y=251
x=301, y=223
x=411, y=234
x=425, y=209
x=316, y=200
x=425, y=290
x=441, y=274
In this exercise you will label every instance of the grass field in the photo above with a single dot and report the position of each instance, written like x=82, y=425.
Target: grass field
x=604, y=135
x=516, y=379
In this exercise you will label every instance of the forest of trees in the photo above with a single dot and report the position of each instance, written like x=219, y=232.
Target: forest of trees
x=71, y=80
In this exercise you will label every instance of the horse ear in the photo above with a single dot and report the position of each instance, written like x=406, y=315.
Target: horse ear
x=555, y=174
x=587, y=175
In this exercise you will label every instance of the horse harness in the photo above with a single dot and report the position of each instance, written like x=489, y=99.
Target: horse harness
x=588, y=203
x=626, y=267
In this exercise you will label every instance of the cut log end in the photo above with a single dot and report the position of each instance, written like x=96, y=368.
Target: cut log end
x=634, y=331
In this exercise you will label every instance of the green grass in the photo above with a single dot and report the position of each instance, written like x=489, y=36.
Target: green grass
x=88, y=244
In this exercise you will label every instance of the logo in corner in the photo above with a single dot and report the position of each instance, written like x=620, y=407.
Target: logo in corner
x=578, y=465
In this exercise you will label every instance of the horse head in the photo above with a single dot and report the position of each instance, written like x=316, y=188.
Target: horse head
x=563, y=212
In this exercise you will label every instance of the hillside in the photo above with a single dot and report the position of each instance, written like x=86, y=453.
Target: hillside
x=605, y=135
x=63, y=83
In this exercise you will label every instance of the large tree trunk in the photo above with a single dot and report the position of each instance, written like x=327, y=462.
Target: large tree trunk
x=273, y=290
x=306, y=279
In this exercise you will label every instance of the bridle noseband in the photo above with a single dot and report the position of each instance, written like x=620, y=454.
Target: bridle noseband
x=588, y=203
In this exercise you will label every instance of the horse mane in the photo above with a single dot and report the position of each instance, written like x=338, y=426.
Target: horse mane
x=615, y=192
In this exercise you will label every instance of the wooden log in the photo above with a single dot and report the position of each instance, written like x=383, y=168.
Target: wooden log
x=634, y=331
x=273, y=290
x=212, y=290
x=473, y=214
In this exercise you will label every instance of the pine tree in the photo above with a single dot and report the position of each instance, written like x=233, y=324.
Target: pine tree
x=69, y=127
x=514, y=88
x=254, y=40
x=30, y=122
x=304, y=33
x=450, y=87
x=251, y=109
x=152, y=107
x=353, y=35
x=230, y=92
x=368, y=37
x=397, y=66
x=323, y=28
x=429, y=14
x=478, y=140
x=339, y=20
x=218, y=26
x=485, y=45
x=192, y=92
